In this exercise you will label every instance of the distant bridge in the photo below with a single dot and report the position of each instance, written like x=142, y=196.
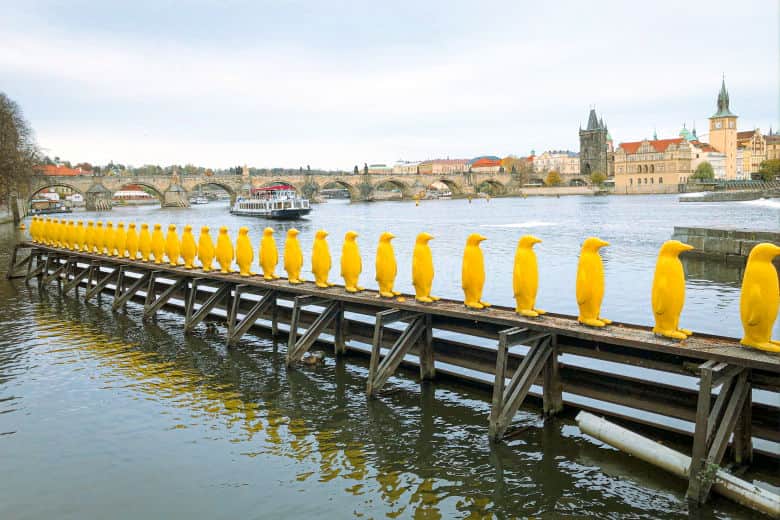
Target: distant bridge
x=175, y=189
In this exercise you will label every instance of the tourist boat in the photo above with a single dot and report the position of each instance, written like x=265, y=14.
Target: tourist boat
x=47, y=206
x=277, y=202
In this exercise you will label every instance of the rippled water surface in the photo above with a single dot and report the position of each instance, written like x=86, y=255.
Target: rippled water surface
x=103, y=415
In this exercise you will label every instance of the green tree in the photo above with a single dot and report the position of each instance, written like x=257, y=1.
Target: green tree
x=18, y=151
x=553, y=179
x=704, y=172
x=597, y=178
x=769, y=170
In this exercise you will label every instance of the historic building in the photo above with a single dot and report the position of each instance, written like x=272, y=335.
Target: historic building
x=564, y=162
x=406, y=167
x=772, y=146
x=723, y=132
x=656, y=166
x=595, y=146
x=443, y=166
x=754, y=150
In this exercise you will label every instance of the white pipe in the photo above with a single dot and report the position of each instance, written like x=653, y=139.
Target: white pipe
x=675, y=462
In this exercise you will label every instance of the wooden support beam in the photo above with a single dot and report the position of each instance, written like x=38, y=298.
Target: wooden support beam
x=193, y=317
x=743, y=435
x=127, y=293
x=297, y=347
x=340, y=335
x=507, y=399
x=380, y=372
x=119, y=286
x=76, y=279
x=427, y=359
x=13, y=265
x=237, y=329
x=552, y=388
x=101, y=284
x=151, y=307
x=715, y=425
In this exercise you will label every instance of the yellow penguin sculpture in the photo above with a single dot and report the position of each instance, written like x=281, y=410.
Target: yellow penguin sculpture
x=63, y=234
x=422, y=269
x=34, y=230
x=42, y=230
x=188, y=247
x=89, y=237
x=53, y=232
x=244, y=253
x=269, y=255
x=99, y=237
x=224, y=250
x=760, y=298
x=172, y=246
x=590, y=283
x=49, y=227
x=70, y=235
x=131, y=243
x=145, y=242
x=351, y=264
x=158, y=244
x=120, y=240
x=80, y=233
x=320, y=259
x=293, y=257
x=205, y=249
x=525, y=277
x=59, y=227
x=473, y=273
x=386, y=266
x=109, y=238
x=668, y=294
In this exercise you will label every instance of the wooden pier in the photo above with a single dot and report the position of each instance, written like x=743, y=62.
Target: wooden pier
x=622, y=371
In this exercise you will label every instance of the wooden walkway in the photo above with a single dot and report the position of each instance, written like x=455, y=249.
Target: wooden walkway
x=613, y=381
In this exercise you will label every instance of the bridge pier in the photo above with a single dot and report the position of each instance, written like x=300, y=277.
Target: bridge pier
x=98, y=198
x=175, y=197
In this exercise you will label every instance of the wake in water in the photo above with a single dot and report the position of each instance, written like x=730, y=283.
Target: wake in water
x=529, y=224
x=763, y=203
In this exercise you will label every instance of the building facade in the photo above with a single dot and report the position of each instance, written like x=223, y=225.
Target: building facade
x=443, y=166
x=723, y=133
x=406, y=167
x=594, y=147
x=563, y=161
x=754, y=147
x=656, y=166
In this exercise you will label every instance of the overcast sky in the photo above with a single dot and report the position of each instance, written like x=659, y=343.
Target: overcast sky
x=333, y=84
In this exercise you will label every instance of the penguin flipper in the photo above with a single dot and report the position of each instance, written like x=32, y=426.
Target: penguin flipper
x=660, y=296
x=754, y=303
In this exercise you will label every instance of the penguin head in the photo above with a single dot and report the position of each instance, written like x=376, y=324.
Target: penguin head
x=292, y=232
x=98, y=223
x=674, y=248
x=423, y=238
x=121, y=225
x=321, y=234
x=764, y=252
x=593, y=244
x=188, y=228
x=350, y=236
x=474, y=239
x=157, y=227
x=386, y=237
x=90, y=223
x=223, y=230
x=109, y=224
x=204, y=229
x=71, y=223
x=528, y=241
x=131, y=225
x=171, y=227
x=243, y=230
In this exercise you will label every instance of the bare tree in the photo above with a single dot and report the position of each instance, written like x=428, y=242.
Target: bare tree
x=18, y=150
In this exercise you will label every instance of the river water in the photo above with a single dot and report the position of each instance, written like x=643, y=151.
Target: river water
x=103, y=415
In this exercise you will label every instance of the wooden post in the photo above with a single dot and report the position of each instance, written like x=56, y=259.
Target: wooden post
x=743, y=438
x=427, y=362
x=340, y=333
x=498, y=385
x=700, y=435
x=552, y=386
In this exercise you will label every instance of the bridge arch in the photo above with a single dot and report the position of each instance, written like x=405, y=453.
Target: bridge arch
x=281, y=182
x=354, y=194
x=403, y=188
x=491, y=187
x=149, y=187
x=54, y=184
x=453, y=186
x=223, y=186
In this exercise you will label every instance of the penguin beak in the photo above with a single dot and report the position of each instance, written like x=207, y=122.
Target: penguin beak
x=686, y=247
x=603, y=243
x=480, y=238
x=535, y=240
x=777, y=251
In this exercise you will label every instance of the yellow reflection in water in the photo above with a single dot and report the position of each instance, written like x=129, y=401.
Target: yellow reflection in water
x=124, y=365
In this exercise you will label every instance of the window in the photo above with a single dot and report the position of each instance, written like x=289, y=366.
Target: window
x=660, y=180
x=630, y=182
x=652, y=181
x=652, y=168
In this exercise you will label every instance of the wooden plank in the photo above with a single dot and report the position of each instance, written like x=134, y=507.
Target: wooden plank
x=76, y=280
x=195, y=317
x=552, y=388
x=159, y=301
x=393, y=358
x=101, y=284
x=128, y=293
x=696, y=474
x=302, y=345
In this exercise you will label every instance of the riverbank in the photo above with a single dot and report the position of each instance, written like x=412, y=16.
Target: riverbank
x=731, y=245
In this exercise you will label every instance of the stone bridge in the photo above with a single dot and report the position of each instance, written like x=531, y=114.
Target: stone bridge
x=175, y=189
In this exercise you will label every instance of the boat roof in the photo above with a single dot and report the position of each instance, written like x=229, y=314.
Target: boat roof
x=275, y=187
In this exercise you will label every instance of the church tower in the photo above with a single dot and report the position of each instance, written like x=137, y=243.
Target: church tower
x=594, y=146
x=723, y=132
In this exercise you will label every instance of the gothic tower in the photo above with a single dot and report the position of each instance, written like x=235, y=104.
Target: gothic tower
x=593, y=146
x=723, y=132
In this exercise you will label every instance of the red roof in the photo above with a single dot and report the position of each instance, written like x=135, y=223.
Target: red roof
x=660, y=145
x=485, y=162
x=275, y=187
x=50, y=169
